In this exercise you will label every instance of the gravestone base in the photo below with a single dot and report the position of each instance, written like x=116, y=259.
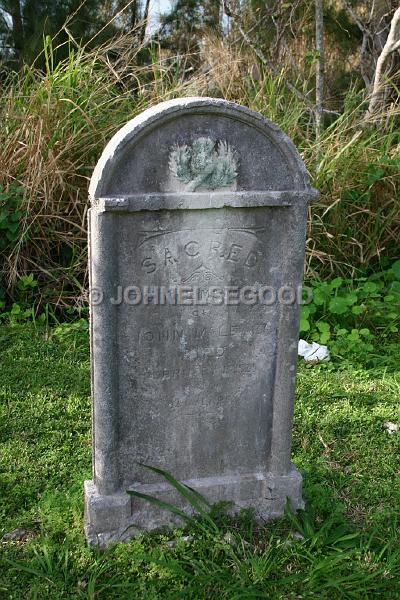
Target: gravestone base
x=119, y=517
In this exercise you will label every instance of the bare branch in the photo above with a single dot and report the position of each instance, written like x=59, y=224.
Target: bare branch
x=367, y=37
x=355, y=17
x=362, y=61
x=391, y=45
x=260, y=54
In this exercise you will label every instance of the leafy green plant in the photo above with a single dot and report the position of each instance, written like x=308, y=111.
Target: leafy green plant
x=11, y=213
x=24, y=309
x=65, y=331
x=26, y=287
x=353, y=312
x=17, y=314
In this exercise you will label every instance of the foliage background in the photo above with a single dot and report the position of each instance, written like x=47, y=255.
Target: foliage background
x=64, y=95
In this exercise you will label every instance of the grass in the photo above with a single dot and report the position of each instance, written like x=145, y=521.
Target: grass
x=350, y=546
x=55, y=124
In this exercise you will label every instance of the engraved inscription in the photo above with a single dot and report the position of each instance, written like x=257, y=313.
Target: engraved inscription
x=214, y=257
x=238, y=331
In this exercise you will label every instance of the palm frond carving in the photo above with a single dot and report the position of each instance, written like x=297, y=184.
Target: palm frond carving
x=205, y=164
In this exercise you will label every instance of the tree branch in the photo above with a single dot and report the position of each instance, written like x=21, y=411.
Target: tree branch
x=391, y=45
x=260, y=54
x=367, y=36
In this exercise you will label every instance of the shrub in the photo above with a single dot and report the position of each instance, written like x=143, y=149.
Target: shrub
x=55, y=124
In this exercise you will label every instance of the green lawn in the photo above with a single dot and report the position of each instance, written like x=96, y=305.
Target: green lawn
x=350, y=546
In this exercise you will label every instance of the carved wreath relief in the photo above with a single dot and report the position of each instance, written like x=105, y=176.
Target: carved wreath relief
x=204, y=164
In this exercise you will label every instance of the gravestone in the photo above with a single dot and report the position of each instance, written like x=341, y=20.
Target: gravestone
x=197, y=235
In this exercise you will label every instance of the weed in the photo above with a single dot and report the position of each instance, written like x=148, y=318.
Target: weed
x=350, y=314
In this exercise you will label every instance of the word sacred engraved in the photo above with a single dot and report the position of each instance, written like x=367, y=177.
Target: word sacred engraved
x=200, y=256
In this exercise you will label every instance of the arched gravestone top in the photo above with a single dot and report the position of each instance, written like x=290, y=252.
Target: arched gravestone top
x=140, y=163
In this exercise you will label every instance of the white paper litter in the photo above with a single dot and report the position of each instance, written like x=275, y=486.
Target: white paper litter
x=313, y=353
x=390, y=427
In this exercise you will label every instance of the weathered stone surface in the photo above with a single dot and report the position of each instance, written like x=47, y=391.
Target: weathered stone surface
x=193, y=196
x=17, y=535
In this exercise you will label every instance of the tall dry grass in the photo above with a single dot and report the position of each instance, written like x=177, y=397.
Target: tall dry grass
x=54, y=126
